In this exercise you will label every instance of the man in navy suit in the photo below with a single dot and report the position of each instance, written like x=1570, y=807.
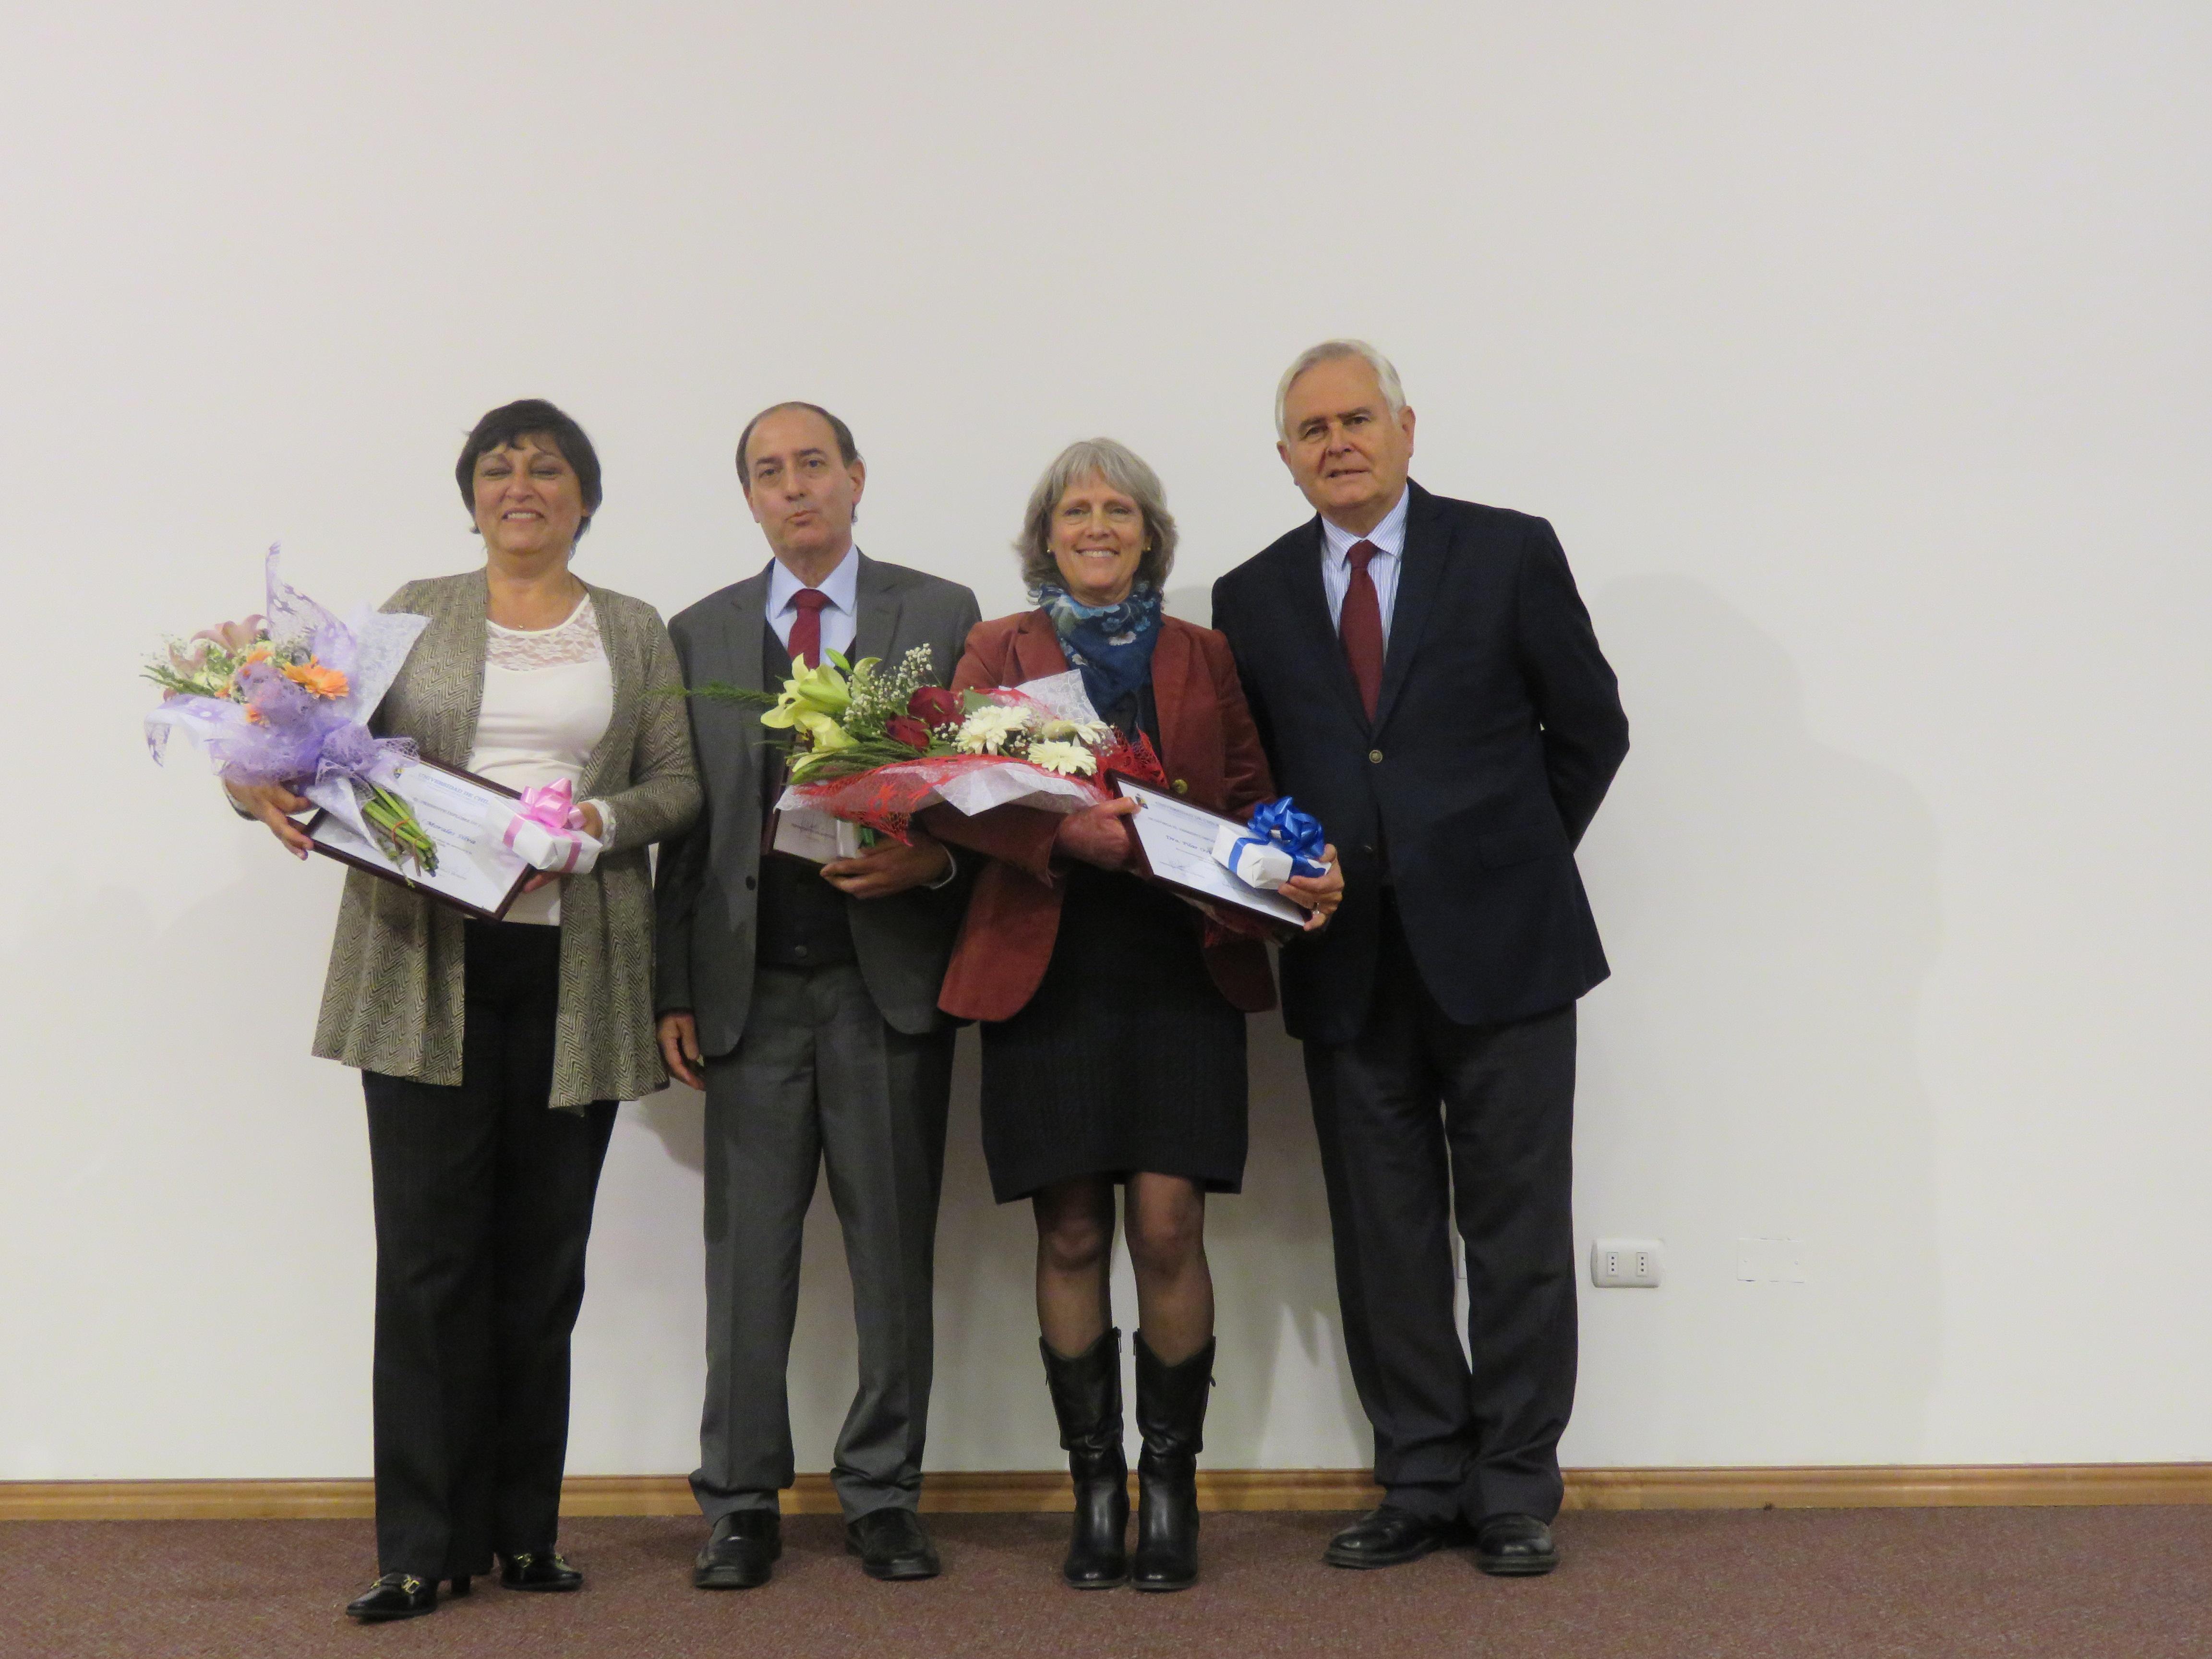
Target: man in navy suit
x=1426, y=683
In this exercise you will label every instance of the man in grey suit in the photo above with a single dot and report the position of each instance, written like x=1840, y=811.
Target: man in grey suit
x=803, y=999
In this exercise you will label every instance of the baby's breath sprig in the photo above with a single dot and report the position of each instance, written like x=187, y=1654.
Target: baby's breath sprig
x=880, y=695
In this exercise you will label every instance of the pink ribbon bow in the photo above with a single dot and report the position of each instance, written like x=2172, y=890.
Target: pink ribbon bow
x=549, y=805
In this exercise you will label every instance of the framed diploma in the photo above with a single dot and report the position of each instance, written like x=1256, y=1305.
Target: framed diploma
x=476, y=872
x=1177, y=842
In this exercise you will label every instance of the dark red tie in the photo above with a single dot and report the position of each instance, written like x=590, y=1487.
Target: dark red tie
x=1360, y=626
x=806, y=626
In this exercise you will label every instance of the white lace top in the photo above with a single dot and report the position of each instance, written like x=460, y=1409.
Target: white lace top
x=547, y=695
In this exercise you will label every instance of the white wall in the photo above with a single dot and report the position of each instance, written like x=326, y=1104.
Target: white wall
x=1858, y=353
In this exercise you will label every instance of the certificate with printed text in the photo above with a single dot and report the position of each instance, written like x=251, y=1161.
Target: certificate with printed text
x=1177, y=839
x=463, y=814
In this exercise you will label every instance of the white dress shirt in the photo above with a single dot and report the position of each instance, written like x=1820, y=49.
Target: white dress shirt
x=1389, y=541
x=841, y=617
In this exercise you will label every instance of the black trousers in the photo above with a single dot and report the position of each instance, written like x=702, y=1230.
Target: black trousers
x=1423, y=1123
x=483, y=1209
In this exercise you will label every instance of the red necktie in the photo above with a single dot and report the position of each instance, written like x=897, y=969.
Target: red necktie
x=806, y=626
x=1360, y=626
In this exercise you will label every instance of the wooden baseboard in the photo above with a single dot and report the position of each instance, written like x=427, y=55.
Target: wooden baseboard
x=1046, y=1491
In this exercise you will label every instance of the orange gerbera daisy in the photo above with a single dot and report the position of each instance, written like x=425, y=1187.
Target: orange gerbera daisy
x=323, y=682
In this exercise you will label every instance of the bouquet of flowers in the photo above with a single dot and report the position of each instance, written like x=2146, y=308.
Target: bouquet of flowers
x=286, y=699
x=874, y=746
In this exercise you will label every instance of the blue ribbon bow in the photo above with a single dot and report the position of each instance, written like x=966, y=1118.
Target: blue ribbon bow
x=1281, y=824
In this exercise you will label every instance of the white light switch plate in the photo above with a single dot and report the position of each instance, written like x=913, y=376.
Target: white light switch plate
x=1617, y=1263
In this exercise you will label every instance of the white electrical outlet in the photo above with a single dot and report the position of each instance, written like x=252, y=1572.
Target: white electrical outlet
x=1616, y=1263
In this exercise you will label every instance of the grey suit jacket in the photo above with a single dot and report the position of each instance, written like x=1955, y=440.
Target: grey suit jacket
x=705, y=894
x=393, y=1000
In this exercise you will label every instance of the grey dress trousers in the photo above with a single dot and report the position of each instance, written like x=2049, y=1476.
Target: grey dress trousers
x=817, y=1015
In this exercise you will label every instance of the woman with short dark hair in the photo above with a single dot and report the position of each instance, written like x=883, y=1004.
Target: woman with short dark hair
x=493, y=1053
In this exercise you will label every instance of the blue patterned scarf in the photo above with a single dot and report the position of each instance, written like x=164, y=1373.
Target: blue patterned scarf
x=1110, y=644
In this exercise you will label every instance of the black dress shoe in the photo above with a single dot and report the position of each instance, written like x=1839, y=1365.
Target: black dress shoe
x=1515, y=1546
x=1388, y=1536
x=538, y=1571
x=891, y=1544
x=395, y=1595
x=741, y=1552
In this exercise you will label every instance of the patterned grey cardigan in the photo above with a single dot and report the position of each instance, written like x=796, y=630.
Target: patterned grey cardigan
x=392, y=1002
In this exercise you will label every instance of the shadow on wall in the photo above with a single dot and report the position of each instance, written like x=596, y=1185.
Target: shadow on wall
x=1770, y=906
x=1271, y=1253
x=1191, y=601
x=988, y=1408
x=1281, y=1338
x=675, y=1117
x=1274, y=1272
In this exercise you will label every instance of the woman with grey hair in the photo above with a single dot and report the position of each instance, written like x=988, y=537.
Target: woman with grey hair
x=1113, y=1013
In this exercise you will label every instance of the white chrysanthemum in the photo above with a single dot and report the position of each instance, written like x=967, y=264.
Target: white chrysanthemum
x=1090, y=732
x=986, y=731
x=1069, y=759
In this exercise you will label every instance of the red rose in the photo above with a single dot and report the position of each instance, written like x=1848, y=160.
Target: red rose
x=905, y=728
x=933, y=705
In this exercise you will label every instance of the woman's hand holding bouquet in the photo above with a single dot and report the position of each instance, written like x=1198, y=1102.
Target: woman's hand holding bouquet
x=282, y=705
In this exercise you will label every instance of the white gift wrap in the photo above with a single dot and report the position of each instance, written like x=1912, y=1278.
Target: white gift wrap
x=1061, y=696
x=548, y=849
x=1264, y=864
x=980, y=788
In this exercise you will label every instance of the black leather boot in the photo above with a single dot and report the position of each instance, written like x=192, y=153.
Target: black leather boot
x=1171, y=1417
x=1086, y=1397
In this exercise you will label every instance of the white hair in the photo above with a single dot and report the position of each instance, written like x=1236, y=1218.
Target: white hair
x=1394, y=393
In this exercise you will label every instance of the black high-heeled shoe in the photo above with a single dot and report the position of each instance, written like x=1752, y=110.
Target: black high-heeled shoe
x=395, y=1595
x=535, y=1570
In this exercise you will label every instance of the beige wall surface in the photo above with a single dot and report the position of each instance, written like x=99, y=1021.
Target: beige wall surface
x=1858, y=353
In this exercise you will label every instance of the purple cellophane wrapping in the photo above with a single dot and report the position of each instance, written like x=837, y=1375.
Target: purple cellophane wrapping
x=320, y=747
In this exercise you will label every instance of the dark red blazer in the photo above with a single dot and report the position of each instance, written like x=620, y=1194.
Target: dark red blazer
x=1212, y=753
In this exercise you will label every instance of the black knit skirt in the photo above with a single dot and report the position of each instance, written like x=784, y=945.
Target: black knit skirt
x=1127, y=1060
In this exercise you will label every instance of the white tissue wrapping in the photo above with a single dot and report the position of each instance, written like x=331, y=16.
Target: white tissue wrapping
x=570, y=852
x=975, y=790
x=1262, y=865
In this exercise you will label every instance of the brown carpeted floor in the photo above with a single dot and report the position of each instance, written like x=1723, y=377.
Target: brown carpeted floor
x=2074, y=1584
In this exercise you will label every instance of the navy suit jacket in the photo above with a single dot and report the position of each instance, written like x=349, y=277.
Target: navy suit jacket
x=1498, y=731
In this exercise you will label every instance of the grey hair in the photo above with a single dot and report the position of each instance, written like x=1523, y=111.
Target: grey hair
x=1122, y=470
x=1394, y=393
